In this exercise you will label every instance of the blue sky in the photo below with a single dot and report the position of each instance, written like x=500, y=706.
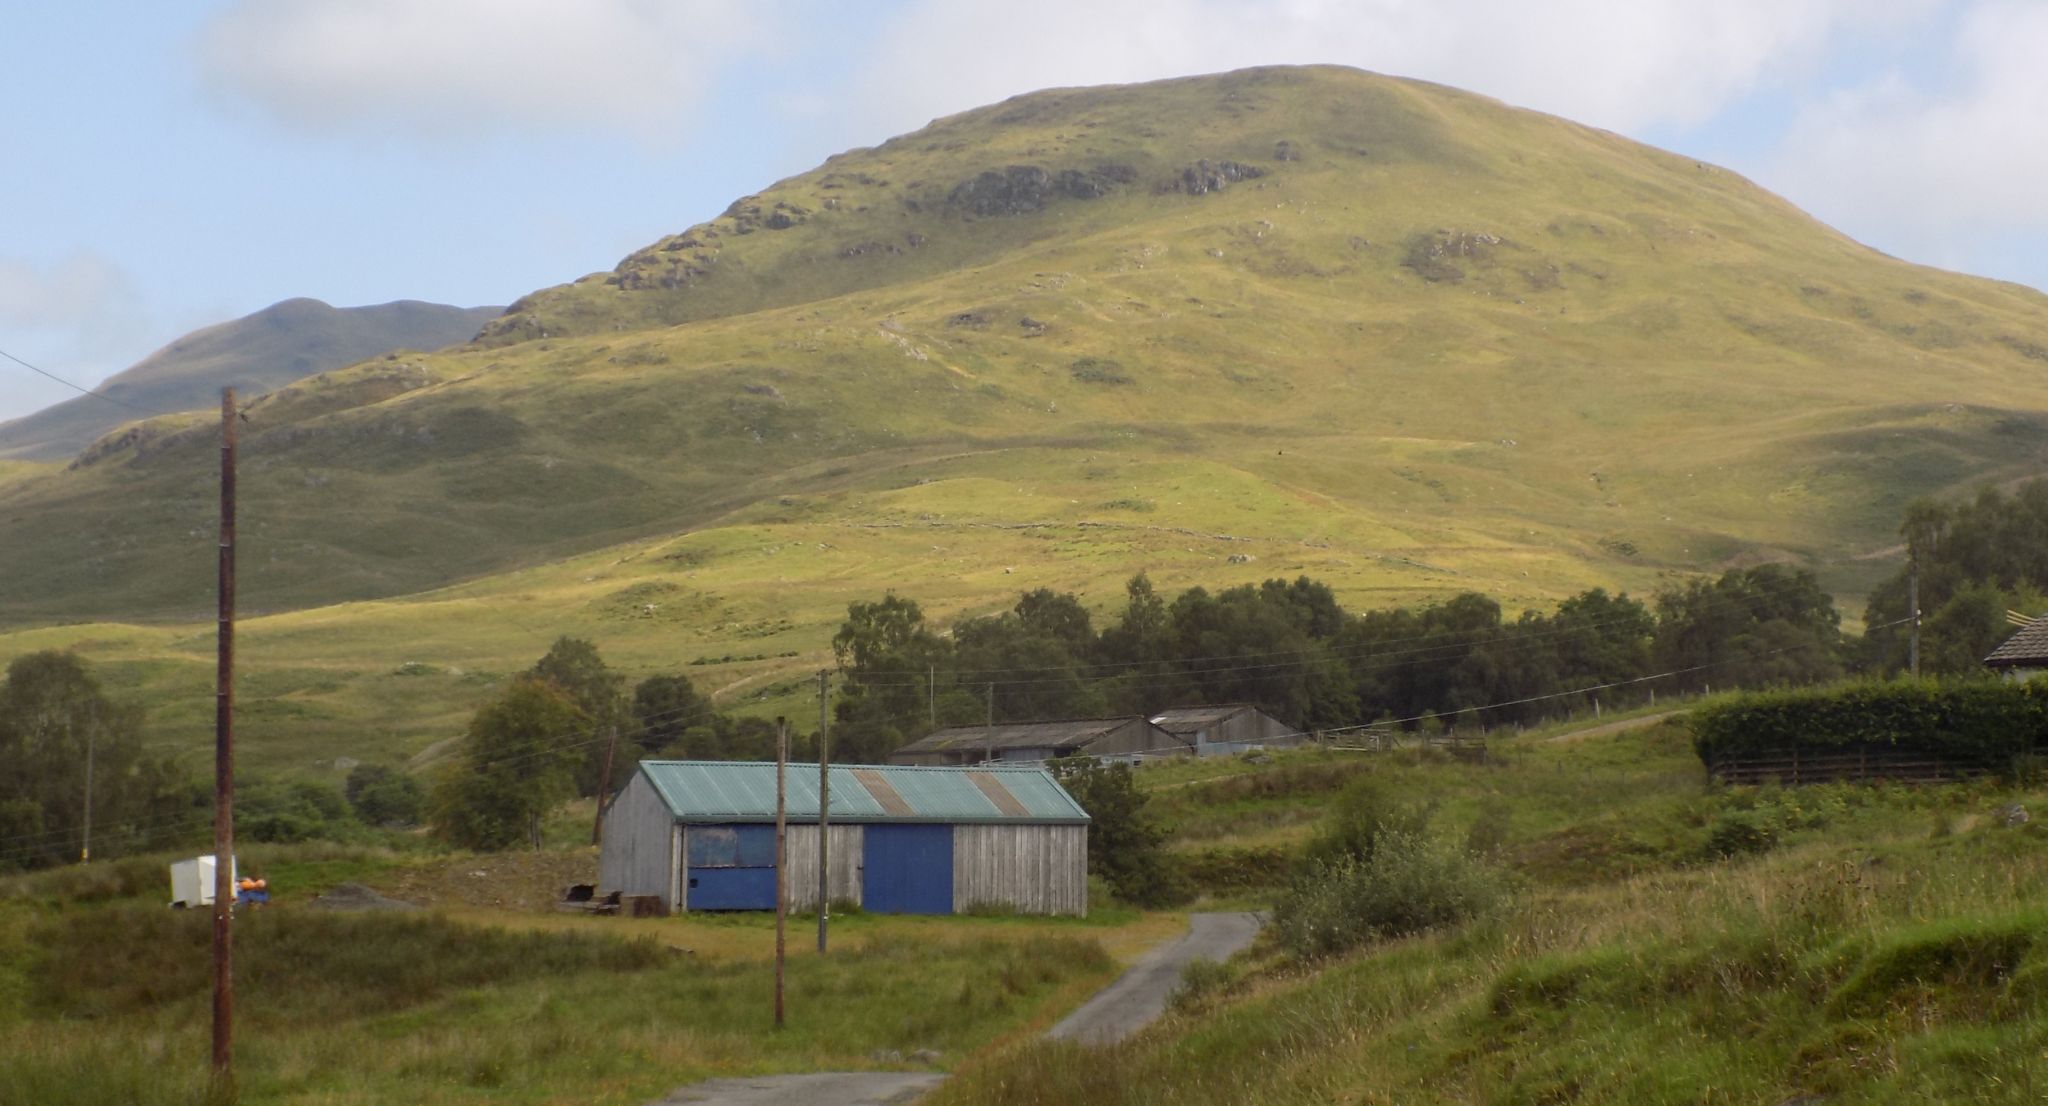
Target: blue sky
x=168, y=166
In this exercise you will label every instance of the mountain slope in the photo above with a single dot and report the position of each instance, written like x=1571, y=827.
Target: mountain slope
x=283, y=342
x=1399, y=337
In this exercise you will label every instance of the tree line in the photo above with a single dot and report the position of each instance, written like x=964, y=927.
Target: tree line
x=1289, y=648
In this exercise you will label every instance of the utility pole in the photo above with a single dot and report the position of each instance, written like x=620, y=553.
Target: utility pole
x=824, y=815
x=1913, y=609
x=224, y=767
x=931, y=692
x=781, y=855
x=92, y=736
x=604, y=785
x=991, y=723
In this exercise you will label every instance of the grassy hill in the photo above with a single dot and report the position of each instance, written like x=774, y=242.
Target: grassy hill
x=283, y=342
x=1396, y=336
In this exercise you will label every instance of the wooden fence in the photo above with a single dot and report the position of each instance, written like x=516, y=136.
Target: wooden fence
x=1865, y=762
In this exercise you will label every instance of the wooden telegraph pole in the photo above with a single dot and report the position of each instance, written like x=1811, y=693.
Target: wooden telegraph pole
x=824, y=815
x=224, y=766
x=604, y=785
x=781, y=855
x=1913, y=609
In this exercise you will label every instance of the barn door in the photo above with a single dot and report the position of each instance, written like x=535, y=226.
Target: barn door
x=907, y=869
x=731, y=867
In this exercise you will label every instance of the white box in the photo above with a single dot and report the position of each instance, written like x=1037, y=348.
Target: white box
x=192, y=881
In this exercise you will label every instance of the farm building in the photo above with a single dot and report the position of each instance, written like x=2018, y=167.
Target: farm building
x=903, y=840
x=1221, y=730
x=1102, y=738
x=2024, y=655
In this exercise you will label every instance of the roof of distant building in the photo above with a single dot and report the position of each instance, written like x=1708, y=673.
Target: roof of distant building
x=2026, y=649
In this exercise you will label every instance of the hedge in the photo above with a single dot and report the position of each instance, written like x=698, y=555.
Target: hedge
x=1985, y=722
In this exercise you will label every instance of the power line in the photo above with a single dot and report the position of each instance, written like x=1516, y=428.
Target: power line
x=79, y=388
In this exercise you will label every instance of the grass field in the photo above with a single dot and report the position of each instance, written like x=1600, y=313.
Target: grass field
x=1889, y=949
x=103, y=992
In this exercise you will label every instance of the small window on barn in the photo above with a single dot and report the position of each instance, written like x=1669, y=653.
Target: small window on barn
x=732, y=846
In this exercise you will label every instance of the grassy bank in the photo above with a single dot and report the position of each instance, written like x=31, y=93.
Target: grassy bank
x=104, y=994
x=1883, y=944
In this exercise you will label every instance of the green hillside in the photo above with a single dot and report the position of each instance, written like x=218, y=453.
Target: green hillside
x=1402, y=338
x=268, y=349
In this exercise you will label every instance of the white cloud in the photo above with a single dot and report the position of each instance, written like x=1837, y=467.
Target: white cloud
x=458, y=67
x=80, y=318
x=1925, y=171
x=1619, y=65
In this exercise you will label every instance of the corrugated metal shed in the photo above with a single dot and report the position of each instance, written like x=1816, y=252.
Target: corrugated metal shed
x=1028, y=741
x=744, y=791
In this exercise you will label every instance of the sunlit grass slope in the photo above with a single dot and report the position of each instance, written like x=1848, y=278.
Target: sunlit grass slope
x=1399, y=337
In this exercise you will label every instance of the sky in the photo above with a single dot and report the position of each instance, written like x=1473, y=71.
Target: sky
x=170, y=166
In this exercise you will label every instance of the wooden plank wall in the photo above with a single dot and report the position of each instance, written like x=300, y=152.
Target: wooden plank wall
x=637, y=832
x=1031, y=869
x=802, y=859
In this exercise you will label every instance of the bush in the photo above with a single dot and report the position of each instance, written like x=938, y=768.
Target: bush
x=1409, y=883
x=1201, y=982
x=1362, y=816
x=1984, y=722
x=1741, y=833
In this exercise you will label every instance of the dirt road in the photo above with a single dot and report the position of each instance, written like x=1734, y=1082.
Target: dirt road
x=1140, y=994
x=1622, y=726
x=832, y=1088
x=1121, y=1009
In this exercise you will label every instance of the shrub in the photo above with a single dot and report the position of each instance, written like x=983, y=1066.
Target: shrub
x=1409, y=883
x=1362, y=816
x=1741, y=833
x=1982, y=722
x=1201, y=982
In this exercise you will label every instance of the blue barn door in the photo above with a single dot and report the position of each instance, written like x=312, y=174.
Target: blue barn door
x=907, y=869
x=730, y=868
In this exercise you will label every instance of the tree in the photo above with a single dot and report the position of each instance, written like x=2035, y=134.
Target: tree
x=383, y=796
x=52, y=714
x=516, y=762
x=886, y=656
x=574, y=667
x=1753, y=627
x=1125, y=844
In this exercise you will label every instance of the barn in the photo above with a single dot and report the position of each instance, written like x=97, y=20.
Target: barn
x=1101, y=738
x=1225, y=729
x=700, y=835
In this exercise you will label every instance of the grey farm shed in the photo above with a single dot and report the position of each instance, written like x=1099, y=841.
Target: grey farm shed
x=1225, y=729
x=700, y=835
x=1102, y=738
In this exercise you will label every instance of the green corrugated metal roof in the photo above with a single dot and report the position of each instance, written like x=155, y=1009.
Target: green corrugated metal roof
x=744, y=791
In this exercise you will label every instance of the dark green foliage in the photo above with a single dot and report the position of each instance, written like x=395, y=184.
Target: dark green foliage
x=1982, y=723
x=1754, y=627
x=1409, y=883
x=517, y=760
x=573, y=666
x=384, y=796
x=284, y=813
x=51, y=712
x=1124, y=842
x=1977, y=559
x=1366, y=814
x=1289, y=648
x=1741, y=833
